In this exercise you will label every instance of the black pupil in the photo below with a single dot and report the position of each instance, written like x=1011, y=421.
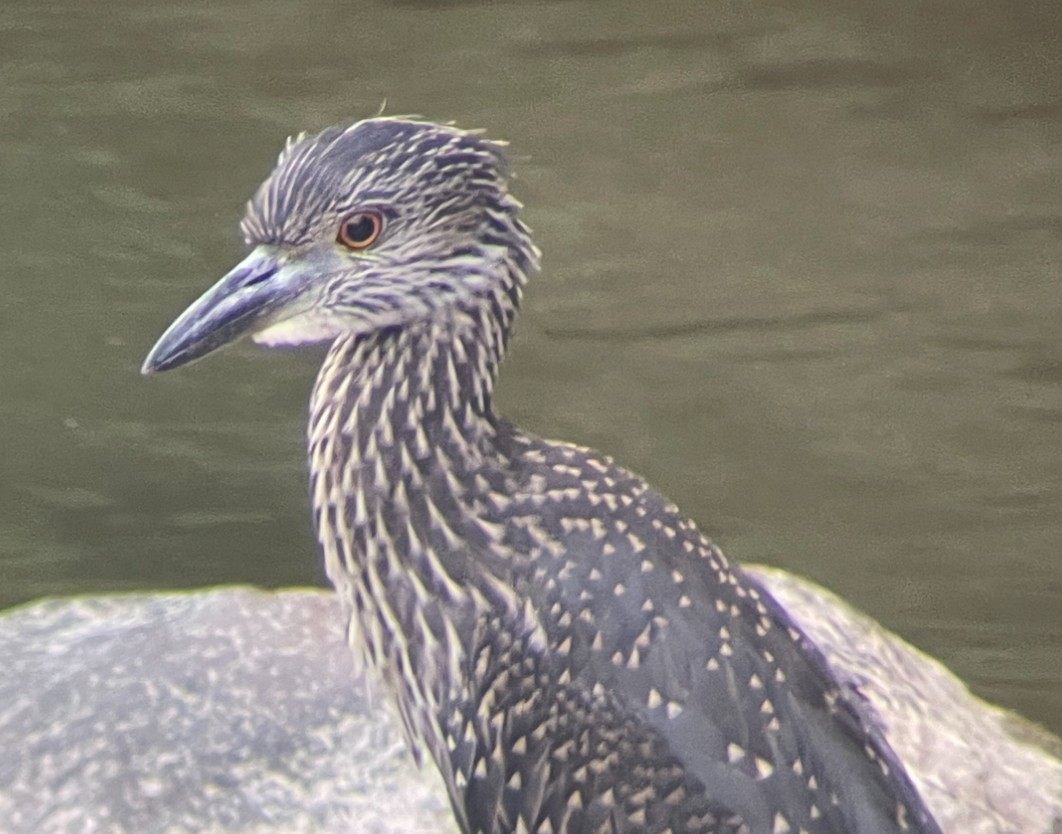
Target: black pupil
x=360, y=228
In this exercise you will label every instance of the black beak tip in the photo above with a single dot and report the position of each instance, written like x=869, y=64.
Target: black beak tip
x=161, y=359
x=232, y=307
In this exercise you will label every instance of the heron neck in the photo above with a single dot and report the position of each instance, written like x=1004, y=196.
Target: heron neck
x=403, y=448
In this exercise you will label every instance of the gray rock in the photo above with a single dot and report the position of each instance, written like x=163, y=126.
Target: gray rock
x=232, y=710
x=237, y=710
x=981, y=770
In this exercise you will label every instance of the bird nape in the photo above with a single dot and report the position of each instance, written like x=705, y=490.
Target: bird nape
x=567, y=647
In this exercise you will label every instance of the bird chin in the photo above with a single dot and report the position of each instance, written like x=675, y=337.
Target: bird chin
x=300, y=330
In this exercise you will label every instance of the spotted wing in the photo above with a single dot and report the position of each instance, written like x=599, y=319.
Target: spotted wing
x=666, y=690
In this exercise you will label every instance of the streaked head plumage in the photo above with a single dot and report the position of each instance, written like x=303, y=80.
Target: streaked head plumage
x=413, y=169
x=364, y=227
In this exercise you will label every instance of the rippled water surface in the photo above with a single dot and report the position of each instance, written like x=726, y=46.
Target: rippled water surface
x=801, y=270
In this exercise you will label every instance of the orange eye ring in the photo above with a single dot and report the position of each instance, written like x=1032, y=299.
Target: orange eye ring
x=360, y=230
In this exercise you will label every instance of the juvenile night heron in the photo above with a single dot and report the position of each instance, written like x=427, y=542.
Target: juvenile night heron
x=570, y=650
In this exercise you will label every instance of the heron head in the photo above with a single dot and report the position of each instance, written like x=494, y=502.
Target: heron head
x=360, y=228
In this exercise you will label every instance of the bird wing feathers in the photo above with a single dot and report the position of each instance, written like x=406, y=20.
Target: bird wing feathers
x=672, y=693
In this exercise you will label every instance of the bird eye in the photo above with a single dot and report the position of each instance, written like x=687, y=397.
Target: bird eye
x=360, y=230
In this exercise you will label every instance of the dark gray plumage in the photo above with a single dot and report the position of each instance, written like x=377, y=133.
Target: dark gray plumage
x=569, y=649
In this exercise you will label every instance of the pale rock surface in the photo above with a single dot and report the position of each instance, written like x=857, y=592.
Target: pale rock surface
x=237, y=710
